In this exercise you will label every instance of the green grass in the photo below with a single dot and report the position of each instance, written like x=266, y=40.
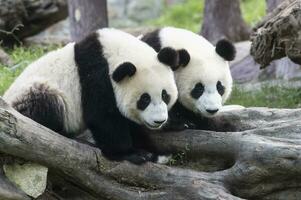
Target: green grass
x=253, y=10
x=189, y=15
x=21, y=56
x=273, y=97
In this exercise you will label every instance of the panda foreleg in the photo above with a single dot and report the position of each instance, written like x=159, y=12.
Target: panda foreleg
x=43, y=105
x=113, y=137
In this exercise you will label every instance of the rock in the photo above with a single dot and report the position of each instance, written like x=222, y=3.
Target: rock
x=59, y=34
x=29, y=177
x=245, y=69
x=140, y=11
x=125, y=13
x=56, y=34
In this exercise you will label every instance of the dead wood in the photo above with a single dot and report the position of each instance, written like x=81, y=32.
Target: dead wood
x=259, y=160
x=278, y=35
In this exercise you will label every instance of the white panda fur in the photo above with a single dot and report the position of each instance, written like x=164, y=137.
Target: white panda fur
x=73, y=87
x=204, y=65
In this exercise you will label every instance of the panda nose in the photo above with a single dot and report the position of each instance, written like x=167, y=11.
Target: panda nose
x=160, y=122
x=212, y=111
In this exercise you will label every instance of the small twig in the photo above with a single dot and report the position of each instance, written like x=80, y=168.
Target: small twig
x=12, y=32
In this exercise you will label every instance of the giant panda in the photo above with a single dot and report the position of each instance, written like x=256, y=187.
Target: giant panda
x=202, y=75
x=110, y=82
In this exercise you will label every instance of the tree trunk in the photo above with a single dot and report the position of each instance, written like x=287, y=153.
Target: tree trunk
x=278, y=35
x=260, y=160
x=23, y=18
x=86, y=17
x=222, y=19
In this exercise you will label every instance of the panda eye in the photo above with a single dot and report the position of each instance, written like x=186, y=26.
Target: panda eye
x=165, y=97
x=144, y=101
x=197, y=91
x=220, y=88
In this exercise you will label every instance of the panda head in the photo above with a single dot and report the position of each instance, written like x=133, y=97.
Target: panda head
x=145, y=90
x=204, y=80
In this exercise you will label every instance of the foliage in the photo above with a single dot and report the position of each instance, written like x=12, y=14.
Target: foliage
x=189, y=14
x=253, y=10
x=185, y=15
x=267, y=96
x=22, y=56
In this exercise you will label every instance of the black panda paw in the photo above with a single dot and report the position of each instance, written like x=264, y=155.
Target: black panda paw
x=135, y=156
x=139, y=157
x=179, y=126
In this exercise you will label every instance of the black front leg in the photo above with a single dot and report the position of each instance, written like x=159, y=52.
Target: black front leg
x=112, y=136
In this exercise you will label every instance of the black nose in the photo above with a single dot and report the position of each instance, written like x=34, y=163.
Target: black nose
x=160, y=122
x=212, y=111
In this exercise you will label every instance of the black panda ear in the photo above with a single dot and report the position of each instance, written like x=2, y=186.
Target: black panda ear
x=126, y=69
x=225, y=49
x=168, y=56
x=184, y=58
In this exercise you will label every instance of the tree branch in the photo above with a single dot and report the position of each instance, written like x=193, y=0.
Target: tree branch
x=278, y=35
x=261, y=159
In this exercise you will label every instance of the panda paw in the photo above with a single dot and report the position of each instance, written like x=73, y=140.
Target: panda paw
x=140, y=156
x=179, y=126
x=135, y=156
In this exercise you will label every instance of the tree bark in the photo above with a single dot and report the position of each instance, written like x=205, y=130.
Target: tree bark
x=222, y=19
x=260, y=160
x=86, y=17
x=277, y=35
x=20, y=19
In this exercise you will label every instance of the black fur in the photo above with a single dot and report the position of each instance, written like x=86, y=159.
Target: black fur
x=169, y=56
x=225, y=49
x=197, y=91
x=44, y=106
x=181, y=118
x=153, y=40
x=144, y=101
x=110, y=129
x=165, y=96
x=126, y=69
x=184, y=57
x=220, y=88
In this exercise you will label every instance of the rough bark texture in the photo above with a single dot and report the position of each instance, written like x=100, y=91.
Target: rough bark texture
x=222, y=19
x=260, y=160
x=278, y=35
x=22, y=18
x=86, y=17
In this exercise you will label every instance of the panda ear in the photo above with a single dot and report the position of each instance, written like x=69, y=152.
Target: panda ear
x=184, y=58
x=225, y=49
x=168, y=56
x=126, y=69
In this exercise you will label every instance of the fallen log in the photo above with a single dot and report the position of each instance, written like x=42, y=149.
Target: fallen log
x=23, y=18
x=260, y=159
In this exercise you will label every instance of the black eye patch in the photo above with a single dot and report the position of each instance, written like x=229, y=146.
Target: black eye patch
x=220, y=88
x=197, y=91
x=144, y=101
x=165, y=97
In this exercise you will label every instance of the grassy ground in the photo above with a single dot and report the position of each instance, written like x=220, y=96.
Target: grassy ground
x=268, y=96
x=189, y=14
x=274, y=96
x=22, y=56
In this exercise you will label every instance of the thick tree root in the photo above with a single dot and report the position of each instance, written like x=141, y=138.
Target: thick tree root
x=261, y=160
